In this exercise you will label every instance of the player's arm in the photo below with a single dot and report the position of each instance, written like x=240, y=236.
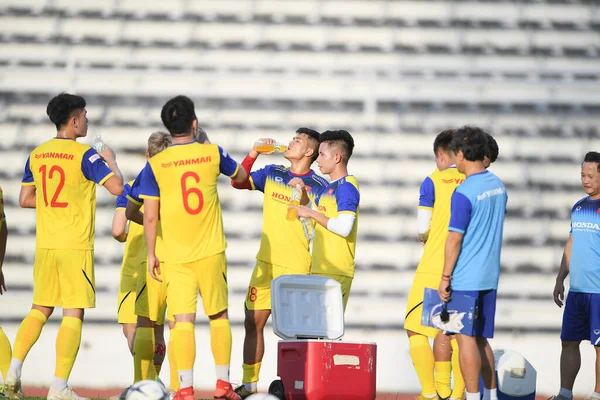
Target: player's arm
x=150, y=193
x=3, y=240
x=425, y=209
x=113, y=184
x=108, y=175
x=27, y=196
x=563, y=272
x=133, y=213
x=228, y=166
x=119, y=223
x=460, y=216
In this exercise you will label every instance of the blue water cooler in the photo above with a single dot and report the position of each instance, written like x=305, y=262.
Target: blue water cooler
x=515, y=376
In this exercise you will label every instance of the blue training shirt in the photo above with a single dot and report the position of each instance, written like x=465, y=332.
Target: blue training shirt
x=585, y=251
x=477, y=211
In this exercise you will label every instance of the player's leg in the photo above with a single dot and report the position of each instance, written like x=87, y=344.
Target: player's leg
x=257, y=311
x=173, y=377
x=596, y=394
x=442, y=353
x=68, y=340
x=160, y=348
x=5, y=356
x=126, y=308
x=157, y=301
x=458, y=391
x=470, y=364
x=485, y=331
x=143, y=350
x=594, y=317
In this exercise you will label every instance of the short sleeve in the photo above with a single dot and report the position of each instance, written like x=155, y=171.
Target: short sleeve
x=134, y=193
x=427, y=193
x=227, y=165
x=460, y=212
x=347, y=197
x=148, y=186
x=258, y=178
x=27, y=175
x=94, y=168
x=122, y=199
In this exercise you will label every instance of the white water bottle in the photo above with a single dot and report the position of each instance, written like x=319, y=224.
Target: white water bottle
x=98, y=143
x=309, y=229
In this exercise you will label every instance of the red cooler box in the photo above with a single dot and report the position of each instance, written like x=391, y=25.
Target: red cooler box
x=312, y=362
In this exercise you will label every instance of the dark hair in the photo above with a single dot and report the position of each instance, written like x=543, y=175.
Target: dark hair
x=312, y=134
x=471, y=141
x=341, y=138
x=491, y=147
x=62, y=106
x=178, y=115
x=444, y=141
x=593, y=156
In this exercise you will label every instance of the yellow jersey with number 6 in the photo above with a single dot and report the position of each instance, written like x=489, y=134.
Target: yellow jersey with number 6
x=65, y=173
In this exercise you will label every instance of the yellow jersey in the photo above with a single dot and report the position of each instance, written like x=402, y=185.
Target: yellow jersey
x=65, y=173
x=435, y=194
x=184, y=178
x=135, y=245
x=333, y=254
x=283, y=242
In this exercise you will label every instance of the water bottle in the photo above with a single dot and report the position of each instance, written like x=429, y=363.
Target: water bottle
x=309, y=229
x=294, y=201
x=262, y=147
x=98, y=143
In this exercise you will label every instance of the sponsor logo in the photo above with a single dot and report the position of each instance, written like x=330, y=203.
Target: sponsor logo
x=322, y=208
x=167, y=165
x=453, y=180
x=278, y=179
x=578, y=208
x=596, y=331
x=280, y=196
x=94, y=158
x=58, y=156
x=586, y=225
x=189, y=161
x=490, y=193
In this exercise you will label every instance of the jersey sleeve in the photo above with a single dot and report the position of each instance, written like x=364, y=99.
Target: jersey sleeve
x=347, y=197
x=460, y=213
x=27, y=175
x=122, y=199
x=134, y=193
x=427, y=194
x=148, y=186
x=94, y=168
x=227, y=165
x=258, y=178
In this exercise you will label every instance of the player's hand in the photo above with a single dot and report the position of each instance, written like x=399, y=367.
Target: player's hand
x=302, y=211
x=2, y=283
x=154, y=267
x=559, y=293
x=444, y=290
x=296, y=181
x=422, y=239
x=107, y=154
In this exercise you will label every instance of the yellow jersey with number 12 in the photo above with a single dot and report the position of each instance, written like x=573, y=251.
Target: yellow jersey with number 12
x=184, y=178
x=65, y=173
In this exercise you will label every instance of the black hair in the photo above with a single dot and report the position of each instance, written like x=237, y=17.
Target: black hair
x=491, y=147
x=471, y=141
x=593, y=156
x=443, y=141
x=178, y=115
x=311, y=133
x=341, y=138
x=61, y=107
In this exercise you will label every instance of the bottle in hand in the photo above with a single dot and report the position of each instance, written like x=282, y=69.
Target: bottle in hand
x=262, y=147
x=294, y=201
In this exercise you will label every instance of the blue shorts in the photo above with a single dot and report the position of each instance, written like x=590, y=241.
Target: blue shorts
x=486, y=304
x=581, y=318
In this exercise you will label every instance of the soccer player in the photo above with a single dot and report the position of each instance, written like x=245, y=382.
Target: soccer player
x=336, y=216
x=5, y=350
x=180, y=185
x=133, y=276
x=283, y=248
x=472, y=254
x=60, y=183
x=581, y=259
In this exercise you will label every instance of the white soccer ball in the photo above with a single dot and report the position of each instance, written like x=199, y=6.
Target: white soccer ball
x=147, y=390
x=262, y=396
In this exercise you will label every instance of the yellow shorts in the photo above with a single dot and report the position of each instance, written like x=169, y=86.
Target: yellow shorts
x=346, y=283
x=64, y=278
x=127, y=294
x=259, y=290
x=414, y=306
x=151, y=300
x=208, y=275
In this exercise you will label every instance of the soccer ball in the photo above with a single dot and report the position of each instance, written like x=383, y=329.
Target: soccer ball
x=147, y=390
x=262, y=396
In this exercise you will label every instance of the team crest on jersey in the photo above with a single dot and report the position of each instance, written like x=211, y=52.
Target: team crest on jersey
x=330, y=191
x=598, y=212
x=308, y=191
x=167, y=165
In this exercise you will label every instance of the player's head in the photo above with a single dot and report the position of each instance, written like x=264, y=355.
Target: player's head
x=468, y=145
x=336, y=148
x=157, y=142
x=590, y=173
x=67, y=112
x=179, y=116
x=491, y=150
x=442, y=148
x=304, y=145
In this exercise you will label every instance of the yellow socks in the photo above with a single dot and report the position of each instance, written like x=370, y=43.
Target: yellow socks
x=422, y=358
x=220, y=343
x=5, y=354
x=67, y=347
x=459, y=382
x=442, y=378
x=28, y=334
x=173, y=376
x=143, y=354
x=185, y=352
x=251, y=372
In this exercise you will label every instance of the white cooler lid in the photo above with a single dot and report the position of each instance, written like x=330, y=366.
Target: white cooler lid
x=306, y=306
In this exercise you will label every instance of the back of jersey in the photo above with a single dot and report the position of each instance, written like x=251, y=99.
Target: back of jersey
x=190, y=211
x=65, y=174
